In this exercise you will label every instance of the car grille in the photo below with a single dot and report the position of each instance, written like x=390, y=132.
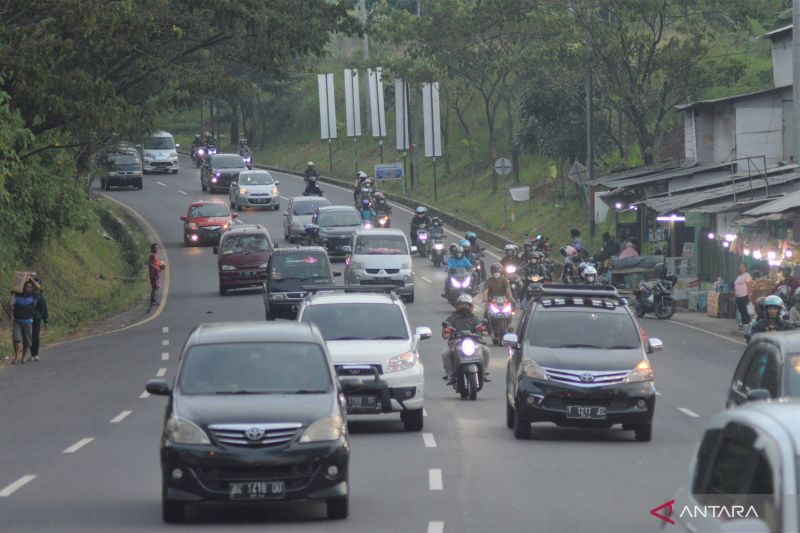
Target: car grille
x=396, y=283
x=271, y=434
x=553, y=402
x=357, y=370
x=586, y=378
x=210, y=228
x=253, y=199
x=160, y=164
x=385, y=270
x=218, y=477
x=337, y=242
x=295, y=295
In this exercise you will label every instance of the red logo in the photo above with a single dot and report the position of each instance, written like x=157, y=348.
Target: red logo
x=666, y=514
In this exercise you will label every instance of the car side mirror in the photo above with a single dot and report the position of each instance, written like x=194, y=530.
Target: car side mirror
x=424, y=333
x=277, y=182
x=157, y=387
x=183, y=218
x=277, y=245
x=413, y=249
x=745, y=525
x=510, y=339
x=654, y=345
x=286, y=213
x=347, y=249
x=234, y=215
x=337, y=274
x=351, y=385
x=758, y=394
x=138, y=146
x=215, y=249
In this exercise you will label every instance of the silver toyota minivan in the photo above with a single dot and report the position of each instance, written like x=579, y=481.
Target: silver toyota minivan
x=381, y=257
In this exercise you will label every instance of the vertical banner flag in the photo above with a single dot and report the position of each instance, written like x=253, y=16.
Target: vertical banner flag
x=401, y=114
x=375, y=82
x=327, y=108
x=352, y=102
x=433, y=130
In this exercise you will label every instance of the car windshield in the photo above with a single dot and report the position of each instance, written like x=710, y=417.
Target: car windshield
x=300, y=266
x=159, y=143
x=571, y=328
x=364, y=321
x=339, y=218
x=244, y=244
x=261, y=178
x=381, y=245
x=228, y=161
x=308, y=207
x=125, y=162
x=209, y=210
x=255, y=368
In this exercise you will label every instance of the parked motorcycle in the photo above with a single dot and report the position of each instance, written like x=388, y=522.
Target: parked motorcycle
x=461, y=281
x=656, y=297
x=467, y=361
x=422, y=240
x=501, y=311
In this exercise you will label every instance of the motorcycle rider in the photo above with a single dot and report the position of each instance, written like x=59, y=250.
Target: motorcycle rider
x=773, y=307
x=381, y=206
x=197, y=142
x=589, y=275
x=794, y=312
x=243, y=148
x=420, y=218
x=437, y=228
x=312, y=189
x=209, y=140
x=576, y=240
x=510, y=257
x=455, y=261
x=475, y=252
x=367, y=213
x=496, y=287
x=361, y=177
x=310, y=171
x=462, y=319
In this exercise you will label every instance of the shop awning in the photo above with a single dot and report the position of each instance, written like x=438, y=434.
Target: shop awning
x=788, y=201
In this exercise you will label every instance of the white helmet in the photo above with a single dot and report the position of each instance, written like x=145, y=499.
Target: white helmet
x=510, y=248
x=310, y=163
x=590, y=274
x=361, y=174
x=464, y=299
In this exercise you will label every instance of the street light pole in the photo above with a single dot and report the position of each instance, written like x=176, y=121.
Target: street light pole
x=589, y=117
x=796, y=78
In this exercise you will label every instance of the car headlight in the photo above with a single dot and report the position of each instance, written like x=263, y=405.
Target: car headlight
x=642, y=372
x=530, y=368
x=148, y=154
x=356, y=265
x=242, y=191
x=181, y=431
x=325, y=429
x=276, y=296
x=275, y=191
x=192, y=226
x=403, y=361
x=228, y=267
x=173, y=154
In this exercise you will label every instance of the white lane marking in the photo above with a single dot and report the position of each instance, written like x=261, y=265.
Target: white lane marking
x=658, y=393
x=165, y=329
x=430, y=442
x=161, y=372
x=435, y=527
x=162, y=184
x=120, y=417
x=426, y=279
x=424, y=412
x=183, y=192
x=18, y=484
x=284, y=198
x=688, y=412
x=78, y=445
x=165, y=356
x=165, y=342
x=701, y=330
x=435, y=479
x=144, y=395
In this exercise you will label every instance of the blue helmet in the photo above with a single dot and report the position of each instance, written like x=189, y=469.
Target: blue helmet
x=421, y=210
x=773, y=301
x=365, y=202
x=464, y=243
x=470, y=235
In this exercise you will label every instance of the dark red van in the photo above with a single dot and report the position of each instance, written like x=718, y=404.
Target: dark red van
x=243, y=253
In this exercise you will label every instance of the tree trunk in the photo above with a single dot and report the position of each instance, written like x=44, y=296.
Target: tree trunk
x=211, y=116
x=512, y=143
x=490, y=112
x=446, y=139
x=234, y=122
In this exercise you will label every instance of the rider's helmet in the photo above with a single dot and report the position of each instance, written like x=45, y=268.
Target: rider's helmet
x=527, y=246
x=590, y=274
x=535, y=257
x=361, y=175
x=773, y=301
x=661, y=270
x=310, y=164
x=465, y=244
x=421, y=210
x=436, y=221
x=496, y=267
x=457, y=251
x=368, y=182
x=509, y=249
x=196, y=136
x=759, y=307
x=471, y=236
x=464, y=302
x=365, y=203
x=379, y=197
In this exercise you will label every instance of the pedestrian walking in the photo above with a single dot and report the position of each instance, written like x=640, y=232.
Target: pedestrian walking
x=23, y=308
x=40, y=318
x=743, y=289
x=154, y=268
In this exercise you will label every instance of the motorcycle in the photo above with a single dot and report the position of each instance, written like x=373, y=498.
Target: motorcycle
x=511, y=274
x=422, y=241
x=460, y=282
x=384, y=220
x=656, y=297
x=501, y=311
x=437, y=251
x=311, y=236
x=467, y=361
x=320, y=193
x=247, y=157
x=570, y=274
x=198, y=156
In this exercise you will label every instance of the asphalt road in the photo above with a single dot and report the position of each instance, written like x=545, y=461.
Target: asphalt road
x=79, y=423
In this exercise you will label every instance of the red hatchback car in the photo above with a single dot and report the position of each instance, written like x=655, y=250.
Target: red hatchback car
x=205, y=222
x=244, y=252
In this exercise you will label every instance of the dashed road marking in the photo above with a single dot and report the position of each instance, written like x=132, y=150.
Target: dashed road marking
x=183, y=192
x=165, y=329
x=144, y=395
x=688, y=412
x=162, y=184
x=165, y=342
x=430, y=442
x=424, y=412
x=15, y=486
x=435, y=479
x=78, y=445
x=165, y=356
x=426, y=279
x=161, y=372
x=658, y=393
x=120, y=417
x=435, y=527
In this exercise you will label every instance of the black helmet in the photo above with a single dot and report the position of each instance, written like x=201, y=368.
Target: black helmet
x=436, y=221
x=496, y=267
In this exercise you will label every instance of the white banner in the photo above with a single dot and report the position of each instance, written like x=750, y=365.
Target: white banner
x=430, y=114
x=352, y=102
x=401, y=114
x=375, y=83
x=327, y=107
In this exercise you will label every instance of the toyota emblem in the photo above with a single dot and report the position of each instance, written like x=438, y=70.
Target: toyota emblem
x=354, y=371
x=587, y=377
x=254, y=434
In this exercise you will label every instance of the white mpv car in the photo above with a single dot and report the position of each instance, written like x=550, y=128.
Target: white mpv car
x=374, y=351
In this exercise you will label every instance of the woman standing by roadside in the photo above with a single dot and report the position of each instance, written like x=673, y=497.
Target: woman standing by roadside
x=743, y=287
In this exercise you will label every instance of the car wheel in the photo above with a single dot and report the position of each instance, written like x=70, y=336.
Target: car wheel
x=233, y=204
x=644, y=432
x=172, y=512
x=139, y=186
x=203, y=186
x=238, y=205
x=410, y=298
x=175, y=171
x=522, y=428
x=268, y=316
x=276, y=207
x=338, y=507
x=412, y=420
x=509, y=415
x=222, y=290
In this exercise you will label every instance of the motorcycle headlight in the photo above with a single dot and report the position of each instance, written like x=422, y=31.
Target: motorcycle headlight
x=467, y=282
x=642, y=372
x=468, y=346
x=403, y=361
x=200, y=151
x=530, y=368
x=228, y=267
x=494, y=308
x=181, y=431
x=218, y=174
x=438, y=246
x=454, y=282
x=325, y=429
x=507, y=308
x=511, y=269
x=422, y=237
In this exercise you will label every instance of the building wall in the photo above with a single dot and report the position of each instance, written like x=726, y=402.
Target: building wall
x=782, y=60
x=788, y=125
x=723, y=136
x=759, y=129
x=704, y=134
x=689, y=136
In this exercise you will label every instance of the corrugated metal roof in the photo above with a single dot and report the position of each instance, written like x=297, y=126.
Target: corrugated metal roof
x=789, y=201
x=611, y=179
x=690, y=105
x=776, y=31
x=727, y=205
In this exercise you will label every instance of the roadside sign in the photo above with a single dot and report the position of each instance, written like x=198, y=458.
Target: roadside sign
x=389, y=171
x=327, y=106
x=377, y=113
x=352, y=102
x=502, y=167
x=431, y=119
x=578, y=173
x=520, y=194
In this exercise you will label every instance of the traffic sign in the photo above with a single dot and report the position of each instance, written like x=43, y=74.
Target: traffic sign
x=502, y=166
x=389, y=171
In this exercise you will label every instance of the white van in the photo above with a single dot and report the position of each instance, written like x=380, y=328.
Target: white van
x=159, y=153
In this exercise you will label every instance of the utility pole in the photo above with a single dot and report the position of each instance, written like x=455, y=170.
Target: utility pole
x=796, y=78
x=590, y=116
x=362, y=9
x=415, y=170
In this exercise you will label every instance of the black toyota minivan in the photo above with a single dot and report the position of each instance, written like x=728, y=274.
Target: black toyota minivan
x=254, y=415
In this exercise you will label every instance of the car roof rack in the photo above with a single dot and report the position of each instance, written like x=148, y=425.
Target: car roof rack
x=591, y=291
x=379, y=289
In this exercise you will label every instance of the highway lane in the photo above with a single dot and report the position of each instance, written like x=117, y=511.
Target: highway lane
x=465, y=471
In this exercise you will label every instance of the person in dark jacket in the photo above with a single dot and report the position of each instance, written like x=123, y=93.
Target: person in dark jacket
x=23, y=307
x=610, y=247
x=41, y=317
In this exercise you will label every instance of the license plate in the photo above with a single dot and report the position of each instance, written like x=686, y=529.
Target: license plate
x=586, y=413
x=256, y=490
x=362, y=402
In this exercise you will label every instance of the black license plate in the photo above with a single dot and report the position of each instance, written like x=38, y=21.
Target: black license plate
x=586, y=412
x=366, y=403
x=256, y=490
